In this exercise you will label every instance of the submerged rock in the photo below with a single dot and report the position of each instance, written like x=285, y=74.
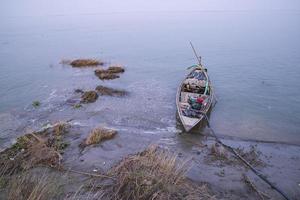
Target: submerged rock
x=89, y=97
x=78, y=91
x=85, y=63
x=102, y=90
x=73, y=101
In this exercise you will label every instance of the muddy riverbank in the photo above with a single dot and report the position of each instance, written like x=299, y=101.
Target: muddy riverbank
x=217, y=169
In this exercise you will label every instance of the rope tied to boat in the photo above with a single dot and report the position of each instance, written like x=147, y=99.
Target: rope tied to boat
x=255, y=171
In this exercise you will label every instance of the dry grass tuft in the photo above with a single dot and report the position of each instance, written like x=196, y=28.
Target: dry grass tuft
x=28, y=186
x=102, y=90
x=154, y=174
x=253, y=187
x=36, y=148
x=89, y=97
x=32, y=152
x=218, y=151
x=252, y=156
x=60, y=128
x=40, y=153
x=219, y=155
x=85, y=63
x=98, y=135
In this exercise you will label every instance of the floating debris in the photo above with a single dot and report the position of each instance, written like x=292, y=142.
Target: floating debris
x=85, y=63
x=89, y=97
x=102, y=90
x=98, y=135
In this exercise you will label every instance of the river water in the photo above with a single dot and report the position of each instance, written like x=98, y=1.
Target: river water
x=252, y=56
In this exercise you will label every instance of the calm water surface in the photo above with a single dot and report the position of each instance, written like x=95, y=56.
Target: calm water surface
x=253, y=58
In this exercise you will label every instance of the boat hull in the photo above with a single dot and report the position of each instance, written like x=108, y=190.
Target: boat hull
x=190, y=123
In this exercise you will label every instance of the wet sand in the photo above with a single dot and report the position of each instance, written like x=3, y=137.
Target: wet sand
x=280, y=162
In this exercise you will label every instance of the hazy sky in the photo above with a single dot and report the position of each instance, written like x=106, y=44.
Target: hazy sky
x=67, y=7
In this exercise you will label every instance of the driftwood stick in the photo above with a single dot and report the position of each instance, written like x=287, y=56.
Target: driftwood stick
x=36, y=137
x=89, y=174
x=261, y=194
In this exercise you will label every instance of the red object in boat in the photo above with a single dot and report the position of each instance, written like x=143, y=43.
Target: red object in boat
x=200, y=100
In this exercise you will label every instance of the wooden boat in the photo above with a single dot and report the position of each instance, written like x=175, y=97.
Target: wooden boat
x=195, y=89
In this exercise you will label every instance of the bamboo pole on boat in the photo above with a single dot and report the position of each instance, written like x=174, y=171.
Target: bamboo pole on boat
x=200, y=65
x=198, y=57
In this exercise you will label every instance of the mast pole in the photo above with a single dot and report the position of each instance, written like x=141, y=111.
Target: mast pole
x=198, y=57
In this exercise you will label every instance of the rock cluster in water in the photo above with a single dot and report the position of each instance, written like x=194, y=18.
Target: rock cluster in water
x=90, y=96
x=84, y=63
x=102, y=90
x=111, y=72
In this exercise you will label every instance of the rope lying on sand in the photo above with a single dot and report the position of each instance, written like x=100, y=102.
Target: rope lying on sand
x=89, y=174
x=260, y=175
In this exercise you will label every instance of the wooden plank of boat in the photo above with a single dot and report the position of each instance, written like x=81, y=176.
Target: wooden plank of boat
x=199, y=75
